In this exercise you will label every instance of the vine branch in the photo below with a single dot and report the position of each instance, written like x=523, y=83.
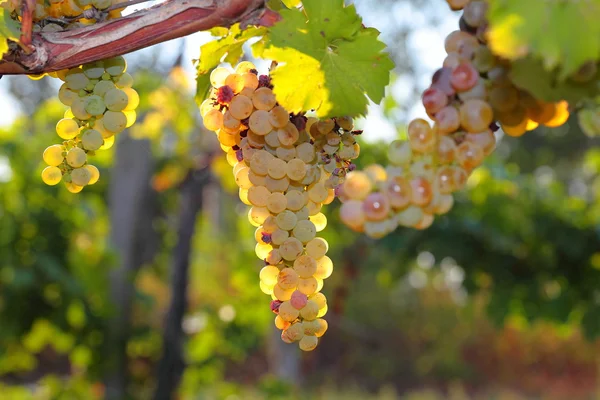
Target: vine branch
x=53, y=51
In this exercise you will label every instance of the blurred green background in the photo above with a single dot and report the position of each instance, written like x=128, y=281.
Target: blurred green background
x=148, y=279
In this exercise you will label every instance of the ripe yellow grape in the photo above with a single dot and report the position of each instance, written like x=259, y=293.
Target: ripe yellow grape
x=94, y=174
x=114, y=121
x=76, y=157
x=73, y=188
x=133, y=99
x=108, y=143
x=117, y=100
x=51, y=175
x=213, y=120
x=67, y=128
x=53, y=155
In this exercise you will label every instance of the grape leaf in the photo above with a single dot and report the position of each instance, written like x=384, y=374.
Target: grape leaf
x=530, y=74
x=327, y=60
x=227, y=48
x=561, y=33
x=9, y=29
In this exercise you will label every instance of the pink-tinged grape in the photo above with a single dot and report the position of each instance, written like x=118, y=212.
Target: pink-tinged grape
x=291, y=249
x=317, y=248
x=441, y=81
x=305, y=230
x=264, y=99
x=410, y=216
x=376, y=206
x=324, y=268
x=280, y=323
x=294, y=333
x=259, y=122
x=51, y=175
x=322, y=327
x=399, y=152
x=452, y=60
x=53, y=155
x=446, y=150
x=287, y=312
x=460, y=177
x=469, y=155
x=474, y=13
x=308, y=343
x=464, y=77
x=445, y=180
x=476, y=115
x=287, y=279
x=298, y=300
x=357, y=185
x=485, y=140
x=241, y=107
x=462, y=43
x=421, y=136
x=425, y=222
x=310, y=311
x=421, y=191
x=447, y=120
x=434, y=99
x=398, y=192
x=305, y=266
x=352, y=214
x=67, y=128
x=308, y=286
x=281, y=294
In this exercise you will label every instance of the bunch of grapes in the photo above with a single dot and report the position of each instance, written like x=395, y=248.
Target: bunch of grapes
x=467, y=96
x=102, y=104
x=286, y=167
x=54, y=15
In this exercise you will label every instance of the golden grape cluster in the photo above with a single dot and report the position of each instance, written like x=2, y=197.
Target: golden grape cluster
x=102, y=104
x=467, y=96
x=55, y=15
x=286, y=167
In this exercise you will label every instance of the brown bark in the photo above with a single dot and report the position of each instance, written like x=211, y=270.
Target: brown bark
x=53, y=51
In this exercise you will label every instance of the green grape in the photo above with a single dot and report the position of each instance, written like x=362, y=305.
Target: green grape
x=51, y=175
x=102, y=87
x=133, y=99
x=114, y=66
x=114, y=121
x=94, y=105
x=76, y=79
x=65, y=95
x=124, y=81
x=92, y=140
x=94, y=174
x=67, y=128
x=81, y=176
x=116, y=100
x=93, y=70
x=53, y=155
x=76, y=157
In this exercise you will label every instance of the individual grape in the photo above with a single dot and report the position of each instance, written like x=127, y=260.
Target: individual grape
x=320, y=331
x=281, y=294
x=280, y=323
x=485, y=140
x=235, y=82
x=76, y=157
x=258, y=195
x=317, y=248
x=464, y=77
x=441, y=81
x=218, y=76
x=445, y=180
x=320, y=221
x=483, y=59
x=102, y=87
x=78, y=108
x=66, y=96
x=263, y=250
x=561, y=115
x=324, y=268
x=124, y=81
x=308, y=286
x=241, y=107
x=308, y=343
x=305, y=152
x=298, y=300
x=410, y=216
x=352, y=214
x=76, y=79
x=67, y=128
x=357, y=185
x=279, y=117
x=277, y=185
x=116, y=99
x=288, y=135
x=133, y=99
x=51, y=175
x=131, y=118
x=287, y=312
x=250, y=81
x=446, y=149
x=263, y=99
x=93, y=70
x=311, y=327
x=448, y=120
x=259, y=122
x=425, y=222
x=476, y=115
x=305, y=266
x=305, y=231
x=91, y=140
x=376, y=207
x=115, y=66
x=108, y=143
x=421, y=136
x=434, y=100
x=73, y=188
x=398, y=192
x=295, y=169
x=276, y=168
x=294, y=333
x=296, y=200
x=114, y=121
x=279, y=236
x=269, y=275
x=310, y=311
x=474, y=13
x=319, y=299
x=317, y=192
x=81, y=176
x=94, y=174
x=460, y=178
x=469, y=155
x=53, y=155
x=399, y=152
x=290, y=249
x=288, y=278
x=276, y=202
x=285, y=153
x=462, y=43
x=258, y=215
x=421, y=191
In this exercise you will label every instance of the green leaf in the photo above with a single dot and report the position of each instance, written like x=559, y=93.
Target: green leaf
x=327, y=60
x=561, y=33
x=9, y=29
x=227, y=48
x=531, y=75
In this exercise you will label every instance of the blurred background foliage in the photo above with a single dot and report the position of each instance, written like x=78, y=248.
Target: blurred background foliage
x=499, y=299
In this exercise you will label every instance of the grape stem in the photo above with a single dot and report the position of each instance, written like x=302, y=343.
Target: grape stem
x=53, y=51
x=28, y=7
